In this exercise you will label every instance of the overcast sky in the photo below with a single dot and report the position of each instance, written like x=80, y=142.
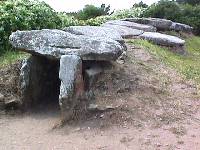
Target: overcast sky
x=74, y=5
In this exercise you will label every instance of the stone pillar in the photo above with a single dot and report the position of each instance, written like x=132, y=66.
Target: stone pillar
x=72, y=85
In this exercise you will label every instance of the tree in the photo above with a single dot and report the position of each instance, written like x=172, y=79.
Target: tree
x=91, y=11
x=140, y=4
x=105, y=10
x=191, y=2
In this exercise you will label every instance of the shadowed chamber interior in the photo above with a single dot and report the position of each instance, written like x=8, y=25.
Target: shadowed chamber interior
x=92, y=69
x=44, y=86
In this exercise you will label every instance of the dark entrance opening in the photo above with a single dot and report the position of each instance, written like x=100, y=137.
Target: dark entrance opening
x=44, y=84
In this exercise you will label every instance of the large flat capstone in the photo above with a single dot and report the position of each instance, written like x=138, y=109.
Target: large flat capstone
x=133, y=25
x=95, y=31
x=124, y=31
x=55, y=43
x=160, y=24
x=162, y=39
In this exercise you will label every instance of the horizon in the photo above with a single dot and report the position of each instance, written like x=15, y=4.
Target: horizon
x=76, y=5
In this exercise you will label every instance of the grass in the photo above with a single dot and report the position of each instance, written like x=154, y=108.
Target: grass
x=188, y=65
x=10, y=57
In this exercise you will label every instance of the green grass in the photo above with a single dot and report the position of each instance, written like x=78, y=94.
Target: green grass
x=10, y=57
x=188, y=65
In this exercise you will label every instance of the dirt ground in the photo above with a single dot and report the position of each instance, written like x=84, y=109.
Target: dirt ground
x=155, y=109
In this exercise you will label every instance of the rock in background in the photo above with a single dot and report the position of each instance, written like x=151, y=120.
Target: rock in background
x=124, y=31
x=160, y=24
x=133, y=25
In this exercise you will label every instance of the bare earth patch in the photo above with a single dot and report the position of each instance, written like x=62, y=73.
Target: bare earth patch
x=155, y=108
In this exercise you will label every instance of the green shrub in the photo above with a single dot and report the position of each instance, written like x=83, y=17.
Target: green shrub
x=190, y=15
x=128, y=13
x=163, y=9
x=24, y=15
x=191, y=2
x=120, y=14
x=69, y=20
x=91, y=11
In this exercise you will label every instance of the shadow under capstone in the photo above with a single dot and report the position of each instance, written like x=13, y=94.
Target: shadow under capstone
x=40, y=83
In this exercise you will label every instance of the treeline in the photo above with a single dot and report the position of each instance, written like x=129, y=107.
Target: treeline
x=31, y=15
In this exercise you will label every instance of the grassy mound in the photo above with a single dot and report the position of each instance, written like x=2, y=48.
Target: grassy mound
x=188, y=65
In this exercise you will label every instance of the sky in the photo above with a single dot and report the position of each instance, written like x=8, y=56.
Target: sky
x=75, y=5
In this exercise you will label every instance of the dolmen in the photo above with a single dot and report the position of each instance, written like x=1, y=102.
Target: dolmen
x=59, y=62
x=63, y=63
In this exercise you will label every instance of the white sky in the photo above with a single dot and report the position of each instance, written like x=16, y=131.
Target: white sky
x=74, y=5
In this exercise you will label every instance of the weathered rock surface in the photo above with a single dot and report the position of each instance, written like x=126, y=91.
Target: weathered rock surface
x=162, y=39
x=95, y=31
x=160, y=24
x=1, y=97
x=2, y=103
x=91, y=75
x=181, y=27
x=13, y=104
x=147, y=28
x=55, y=43
x=72, y=85
x=124, y=31
x=96, y=108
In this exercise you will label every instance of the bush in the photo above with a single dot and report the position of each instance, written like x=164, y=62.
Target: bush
x=69, y=20
x=164, y=9
x=121, y=14
x=90, y=11
x=191, y=2
x=24, y=15
x=190, y=15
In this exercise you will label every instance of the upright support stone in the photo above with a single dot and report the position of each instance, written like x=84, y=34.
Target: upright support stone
x=72, y=85
x=25, y=80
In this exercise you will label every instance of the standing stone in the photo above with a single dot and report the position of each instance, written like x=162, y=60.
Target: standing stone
x=25, y=80
x=72, y=85
x=24, y=75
